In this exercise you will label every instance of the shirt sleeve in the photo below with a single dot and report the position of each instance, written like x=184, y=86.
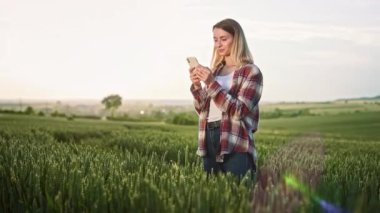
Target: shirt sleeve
x=199, y=98
x=248, y=95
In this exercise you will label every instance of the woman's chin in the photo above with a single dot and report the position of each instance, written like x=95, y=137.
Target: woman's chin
x=224, y=54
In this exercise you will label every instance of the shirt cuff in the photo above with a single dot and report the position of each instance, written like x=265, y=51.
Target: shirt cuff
x=195, y=91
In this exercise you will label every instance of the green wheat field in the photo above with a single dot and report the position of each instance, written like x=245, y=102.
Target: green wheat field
x=324, y=160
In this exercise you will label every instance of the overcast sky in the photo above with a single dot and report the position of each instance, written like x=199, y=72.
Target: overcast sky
x=307, y=50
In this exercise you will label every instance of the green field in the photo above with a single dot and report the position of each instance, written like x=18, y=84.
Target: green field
x=57, y=165
x=361, y=126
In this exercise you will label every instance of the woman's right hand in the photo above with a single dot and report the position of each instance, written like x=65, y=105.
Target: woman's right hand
x=194, y=79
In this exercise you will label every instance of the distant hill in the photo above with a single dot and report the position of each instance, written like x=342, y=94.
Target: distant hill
x=375, y=98
x=147, y=102
x=91, y=107
x=92, y=102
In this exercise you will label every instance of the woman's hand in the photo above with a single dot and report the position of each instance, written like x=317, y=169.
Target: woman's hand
x=194, y=78
x=204, y=74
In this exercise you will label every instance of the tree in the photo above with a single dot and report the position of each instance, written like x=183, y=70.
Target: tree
x=29, y=110
x=112, y=102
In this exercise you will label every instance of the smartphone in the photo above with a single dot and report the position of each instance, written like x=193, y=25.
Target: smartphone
x=192, y=61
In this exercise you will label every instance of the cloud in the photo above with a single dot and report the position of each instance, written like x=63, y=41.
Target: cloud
x=300, y=32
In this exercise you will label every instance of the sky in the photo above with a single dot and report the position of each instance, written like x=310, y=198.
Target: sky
x=314, y=50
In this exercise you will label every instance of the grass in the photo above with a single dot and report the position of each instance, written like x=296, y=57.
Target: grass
x=360, y=126
x=53, y=164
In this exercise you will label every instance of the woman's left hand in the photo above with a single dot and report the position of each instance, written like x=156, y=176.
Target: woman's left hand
x=204, y=74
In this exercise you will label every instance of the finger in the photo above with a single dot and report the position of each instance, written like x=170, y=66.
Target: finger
x=200, y=68
x=203, y=71
x=194, y=78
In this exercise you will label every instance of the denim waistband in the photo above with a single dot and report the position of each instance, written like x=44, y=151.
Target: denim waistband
x=213, y=125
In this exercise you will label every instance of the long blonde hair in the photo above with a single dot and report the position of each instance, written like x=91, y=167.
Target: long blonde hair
x=239, y=51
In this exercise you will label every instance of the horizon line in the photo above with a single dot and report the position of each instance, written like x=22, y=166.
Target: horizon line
x=17, y=100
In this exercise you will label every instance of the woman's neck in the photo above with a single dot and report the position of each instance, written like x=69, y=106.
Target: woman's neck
x=228, y=66
x=229, y=62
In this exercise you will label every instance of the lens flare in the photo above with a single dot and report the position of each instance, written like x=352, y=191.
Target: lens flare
x=306, y=191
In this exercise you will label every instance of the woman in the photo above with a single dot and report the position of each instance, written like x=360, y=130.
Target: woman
x=227, y=105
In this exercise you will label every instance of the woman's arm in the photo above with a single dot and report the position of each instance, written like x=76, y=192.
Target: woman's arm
x=248, y=95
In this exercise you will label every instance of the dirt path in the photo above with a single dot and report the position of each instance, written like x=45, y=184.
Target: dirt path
x=304, y=159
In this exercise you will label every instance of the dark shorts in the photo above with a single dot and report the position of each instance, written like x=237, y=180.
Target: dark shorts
x=236, y=163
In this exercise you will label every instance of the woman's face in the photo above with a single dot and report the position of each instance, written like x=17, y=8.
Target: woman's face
x=222, y=41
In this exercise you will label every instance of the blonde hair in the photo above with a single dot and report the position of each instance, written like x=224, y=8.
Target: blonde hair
x=240, y=53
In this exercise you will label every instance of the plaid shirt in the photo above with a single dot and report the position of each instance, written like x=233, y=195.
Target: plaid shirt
x=240, y=111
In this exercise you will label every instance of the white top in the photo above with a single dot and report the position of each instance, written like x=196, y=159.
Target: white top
x=215, y=114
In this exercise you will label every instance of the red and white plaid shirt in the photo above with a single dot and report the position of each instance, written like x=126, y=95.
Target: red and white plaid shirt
x=240, y=111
